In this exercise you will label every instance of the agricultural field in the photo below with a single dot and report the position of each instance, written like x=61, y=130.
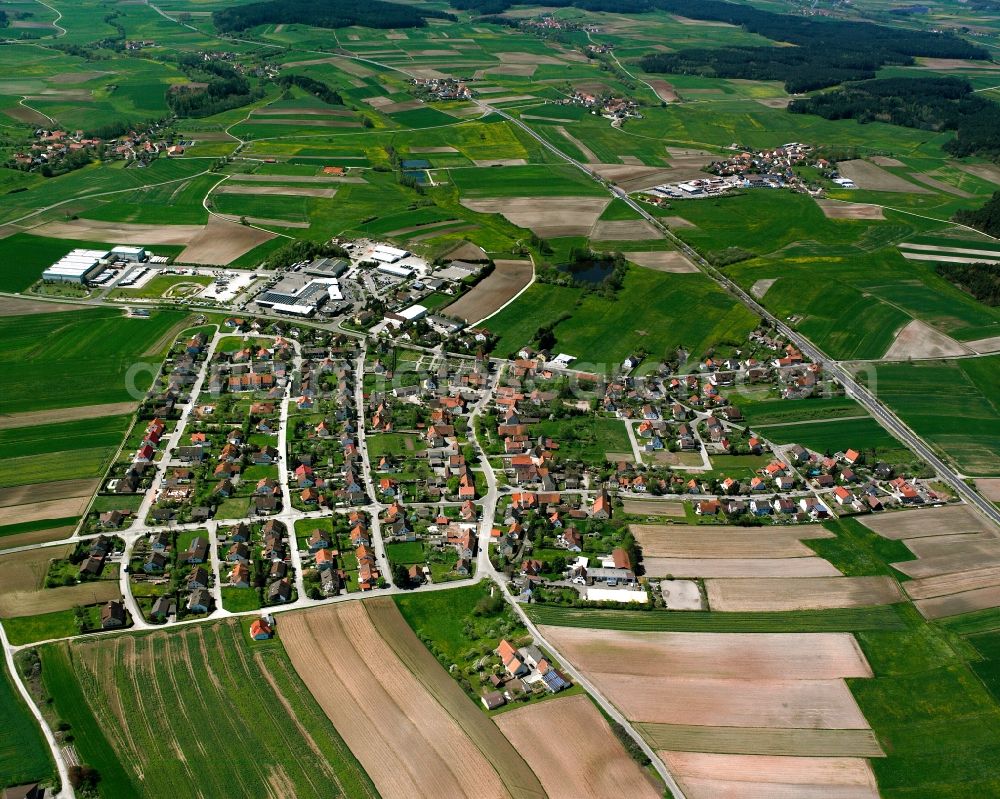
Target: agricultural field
x=247, y=695
x=391, y=719
x=952, y=404
x=24, y=755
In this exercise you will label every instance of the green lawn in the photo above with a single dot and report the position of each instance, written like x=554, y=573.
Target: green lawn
x=28, y=629
x=238, y=600
x=838, y=436
x=586, y=438
x=406, y=553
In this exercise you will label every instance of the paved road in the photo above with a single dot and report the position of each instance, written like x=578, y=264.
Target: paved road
x=862, y=394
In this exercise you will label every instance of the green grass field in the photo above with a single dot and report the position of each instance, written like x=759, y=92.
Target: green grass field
x=585, y=438
x=24, y=756
x=837, y=435
x=79, y=358
x=240, y=697
x=885, y=617
x=953, y=404
x=649, y=313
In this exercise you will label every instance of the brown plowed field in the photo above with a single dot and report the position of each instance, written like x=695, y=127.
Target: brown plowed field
x=674, y=541
x=53, y=509
x=739, y=567
x=966, y=558
x=406, y=742
x=936, y=546
x=589, y=763
x=290, y=191
x=624, y=230
x=654, y=507
x=834, y=209
x=493, y=292
x=515, y=774
x=800, y=593
x=867, y=175
x=931, y=521
x=664, y=90
x=812, y=704
x=954, y=604
x=919, y=340
x=761, y=740
x=220, y=243
x=24, y=306
x=47, y=492
x=663, y=261
x=749, y=656
x=714, y=775
x=953, y=583
x=546, y=216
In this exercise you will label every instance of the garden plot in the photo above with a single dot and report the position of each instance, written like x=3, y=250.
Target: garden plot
x=710, y=776
x=919, y=340
x=834, y=209
x=287, y=191
x=808, y=593
x=589, y=764
x=403, y=738
x=546, y=216
x=663, y=261
x=494, y=292
x=867, y=175
x=626, y=230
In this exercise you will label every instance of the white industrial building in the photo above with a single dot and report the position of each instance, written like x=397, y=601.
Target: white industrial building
x=130, y=254
x=395, y=270
x=77, y=266
x=385, y=254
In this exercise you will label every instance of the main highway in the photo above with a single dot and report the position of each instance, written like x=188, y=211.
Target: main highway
x=862, y=394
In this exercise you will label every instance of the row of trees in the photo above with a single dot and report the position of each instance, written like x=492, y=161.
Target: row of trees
x=923, y=103
x=324, y=14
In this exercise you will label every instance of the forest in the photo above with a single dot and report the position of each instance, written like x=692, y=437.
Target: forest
x=986, y=219
x=982, y=281
x=225, y=88
x=830, y=52
x=922, y=103
x=324, y=14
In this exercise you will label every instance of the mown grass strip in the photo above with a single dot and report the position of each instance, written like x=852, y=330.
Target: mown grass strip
x=881, y=618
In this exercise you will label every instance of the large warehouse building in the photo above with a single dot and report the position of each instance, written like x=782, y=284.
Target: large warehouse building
x=77, y=266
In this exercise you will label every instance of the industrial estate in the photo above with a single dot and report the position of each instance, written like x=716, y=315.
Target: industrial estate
x=465, y=398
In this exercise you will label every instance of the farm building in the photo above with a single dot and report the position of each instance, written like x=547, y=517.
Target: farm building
x=77, y=266
x=395, y=270
x=385, y=254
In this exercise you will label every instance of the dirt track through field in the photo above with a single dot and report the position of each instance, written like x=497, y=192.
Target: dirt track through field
x=710, y=776
x=589, y=763
x=803, y=593
x=739, y=567
x=493, y=292
x=403, y=738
